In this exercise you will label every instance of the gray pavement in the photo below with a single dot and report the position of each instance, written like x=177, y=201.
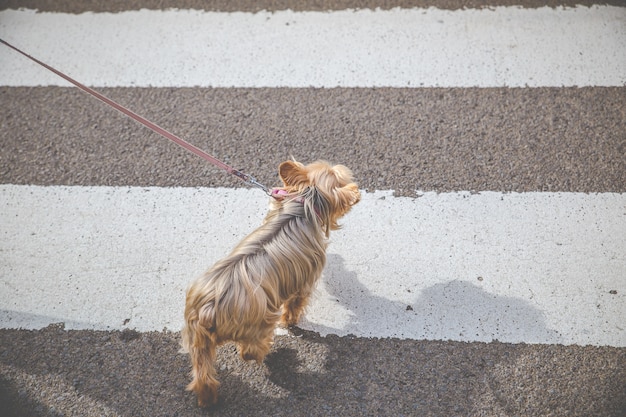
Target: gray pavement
x=435, y=139
x=141, y=374
x=439, y=139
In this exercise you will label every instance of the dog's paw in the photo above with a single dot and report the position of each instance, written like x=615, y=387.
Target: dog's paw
x=208, y=401
x=205, y=393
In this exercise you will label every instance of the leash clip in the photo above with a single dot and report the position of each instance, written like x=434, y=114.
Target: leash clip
x=250, y=180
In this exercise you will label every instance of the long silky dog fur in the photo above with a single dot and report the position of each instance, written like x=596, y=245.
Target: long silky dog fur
x=269, y=276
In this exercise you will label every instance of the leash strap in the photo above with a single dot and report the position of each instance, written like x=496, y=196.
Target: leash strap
x=248, y=179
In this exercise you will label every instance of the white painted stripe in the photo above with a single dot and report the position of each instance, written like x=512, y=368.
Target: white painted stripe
x=504, y=46
x=532, y=267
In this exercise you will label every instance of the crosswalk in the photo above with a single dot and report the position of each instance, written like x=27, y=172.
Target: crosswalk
x=489, y=144
x=506, y=46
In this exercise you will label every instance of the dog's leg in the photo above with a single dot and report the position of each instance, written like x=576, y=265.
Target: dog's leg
x=293, y=309
x=257, y=348
x=204, y=383
x=202, y=351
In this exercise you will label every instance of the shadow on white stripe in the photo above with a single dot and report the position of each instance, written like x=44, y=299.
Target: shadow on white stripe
x=533, y=267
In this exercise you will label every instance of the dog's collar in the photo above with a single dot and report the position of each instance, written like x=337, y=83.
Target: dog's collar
x=280, y=194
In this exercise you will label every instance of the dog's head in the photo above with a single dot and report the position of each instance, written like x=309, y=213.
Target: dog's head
x=328, y=189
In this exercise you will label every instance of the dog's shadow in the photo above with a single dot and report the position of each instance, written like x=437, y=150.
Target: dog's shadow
x=295, y=368
x=455, y=309
x=304, y=363
x=133, y=373
x=287, y=370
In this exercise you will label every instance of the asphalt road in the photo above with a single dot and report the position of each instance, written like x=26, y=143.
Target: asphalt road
x=141, y=374
x=494, y=139
x=431, y=139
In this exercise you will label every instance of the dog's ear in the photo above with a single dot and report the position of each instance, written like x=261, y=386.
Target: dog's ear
x=292, y=173
x=342, y=200
x=348, y=195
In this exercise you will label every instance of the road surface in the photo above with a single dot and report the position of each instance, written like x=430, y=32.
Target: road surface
x=483, y=273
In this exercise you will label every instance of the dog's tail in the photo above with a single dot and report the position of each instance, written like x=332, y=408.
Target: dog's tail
x=200, y=340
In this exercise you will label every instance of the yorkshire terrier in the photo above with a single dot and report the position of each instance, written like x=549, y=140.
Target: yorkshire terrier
x=268, y=278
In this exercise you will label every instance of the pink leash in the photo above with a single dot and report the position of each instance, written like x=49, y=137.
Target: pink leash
x=248, y=179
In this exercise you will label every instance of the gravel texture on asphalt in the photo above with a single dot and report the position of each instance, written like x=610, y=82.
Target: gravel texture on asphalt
x=429, y=139
x=495, y=139
x=54, y=372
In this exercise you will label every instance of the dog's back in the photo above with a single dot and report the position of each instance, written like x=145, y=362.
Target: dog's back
x=275, y=268
x=284, y=256
x=239, y=299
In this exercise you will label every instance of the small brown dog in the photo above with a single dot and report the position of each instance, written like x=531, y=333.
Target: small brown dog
x=270, y=275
